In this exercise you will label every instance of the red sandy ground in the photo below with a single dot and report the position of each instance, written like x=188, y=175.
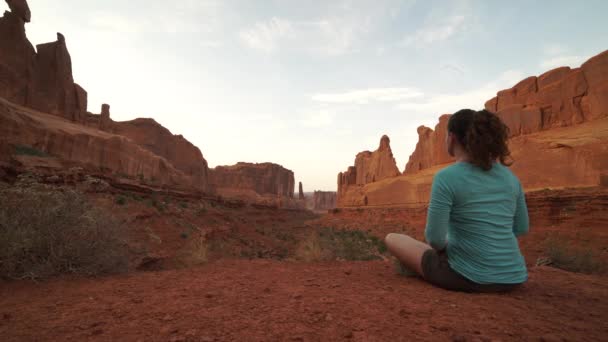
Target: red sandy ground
x=269, y=300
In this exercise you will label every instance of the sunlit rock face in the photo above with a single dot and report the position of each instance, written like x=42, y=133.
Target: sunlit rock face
x=558, y=125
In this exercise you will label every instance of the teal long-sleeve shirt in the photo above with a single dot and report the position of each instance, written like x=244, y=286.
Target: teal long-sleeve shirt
x=477, y=215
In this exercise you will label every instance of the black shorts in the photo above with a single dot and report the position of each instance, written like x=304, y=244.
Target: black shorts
x=438, y=272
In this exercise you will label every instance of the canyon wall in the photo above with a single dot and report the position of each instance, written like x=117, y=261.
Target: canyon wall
x=40, y=79
x=324, y=200
x=95, y=150
x=248, y=179
x=558, y=126
x=370, y=167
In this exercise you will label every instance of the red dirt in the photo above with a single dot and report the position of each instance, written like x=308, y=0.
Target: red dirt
x=269, y=300
x=232, y=299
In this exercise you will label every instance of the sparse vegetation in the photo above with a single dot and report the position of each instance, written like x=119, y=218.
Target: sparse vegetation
x=45, y=231
x=23, y=150
x=330, y=244
x=121, y=200
x=574, y=259
x=195, y=252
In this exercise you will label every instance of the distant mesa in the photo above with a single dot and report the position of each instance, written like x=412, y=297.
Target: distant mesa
x=324, y=200
x=266, y=183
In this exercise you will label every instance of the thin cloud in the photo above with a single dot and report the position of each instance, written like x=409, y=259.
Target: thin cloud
x=366, y=96
x=475, y=98
x=435, y=32
x=266, y=36
x=559, y=61
x=318, y=118
x=327, y=36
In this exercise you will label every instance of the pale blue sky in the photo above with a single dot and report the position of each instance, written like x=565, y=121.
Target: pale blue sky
x=308, y=84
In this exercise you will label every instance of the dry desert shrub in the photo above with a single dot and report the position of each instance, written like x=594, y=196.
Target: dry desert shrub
x=336, y=244
x=47, y=231
x=570, y=258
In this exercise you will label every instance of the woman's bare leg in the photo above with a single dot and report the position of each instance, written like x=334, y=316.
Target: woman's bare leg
x=408, y=250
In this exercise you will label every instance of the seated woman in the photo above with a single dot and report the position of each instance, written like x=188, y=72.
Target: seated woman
x=476, y=212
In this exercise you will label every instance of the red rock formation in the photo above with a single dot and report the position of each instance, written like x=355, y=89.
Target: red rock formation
x=370, y=167
x=17, y=59
x=265, y=179
x=558, y=98
x=90, y=148
x=431, y=147
x=41, y=80
x=21, y=9
x=152, y=136
x=324, y=200
x=300, y=192
x=52, y=88
x=553, y=142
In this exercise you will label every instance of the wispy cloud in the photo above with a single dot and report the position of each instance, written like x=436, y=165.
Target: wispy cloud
x=435, y=32
x=266, y=36
x=317, y=118
x=366, y=96
x=329, y=36
x=184, y=16
x=559, y=61
x=451, y=102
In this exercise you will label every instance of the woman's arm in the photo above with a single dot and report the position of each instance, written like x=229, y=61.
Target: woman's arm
x=438, y=215
x=521, y=222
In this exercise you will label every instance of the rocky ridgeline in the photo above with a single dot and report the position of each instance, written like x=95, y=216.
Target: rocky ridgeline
x=558, y=126
x=371, y=166
x=266, y=179
x=41, y=79
x=560, y=97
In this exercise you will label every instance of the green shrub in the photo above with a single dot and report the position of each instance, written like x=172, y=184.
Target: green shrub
x=29, y=151
x=573, y=259
x=121, y=200
x=45, y=231
x=331, y=244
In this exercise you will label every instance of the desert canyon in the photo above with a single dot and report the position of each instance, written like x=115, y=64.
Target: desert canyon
x=233, y=253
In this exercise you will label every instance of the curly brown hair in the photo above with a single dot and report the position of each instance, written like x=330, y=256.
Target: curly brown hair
x=483, y=135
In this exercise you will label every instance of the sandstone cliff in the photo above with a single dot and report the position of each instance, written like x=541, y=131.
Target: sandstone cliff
x=370, y=166
x=558, y=125
x=41, y=80
x=324, y=200
x=253, y=180
x=98, y=151
x=431, y=147
x=155, y=138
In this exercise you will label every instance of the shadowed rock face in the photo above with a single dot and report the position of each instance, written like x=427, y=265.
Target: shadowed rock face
x=91, y=148
x=51, y=87
x=300, y=191
x=261, y=179
x=43, y=81
x=40, y=80
x=21, y=9
x=17, y=59
x=152, y=136
x=324, y=200
x=558, y=126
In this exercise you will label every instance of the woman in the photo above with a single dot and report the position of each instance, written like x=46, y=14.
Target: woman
x=476, y=212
